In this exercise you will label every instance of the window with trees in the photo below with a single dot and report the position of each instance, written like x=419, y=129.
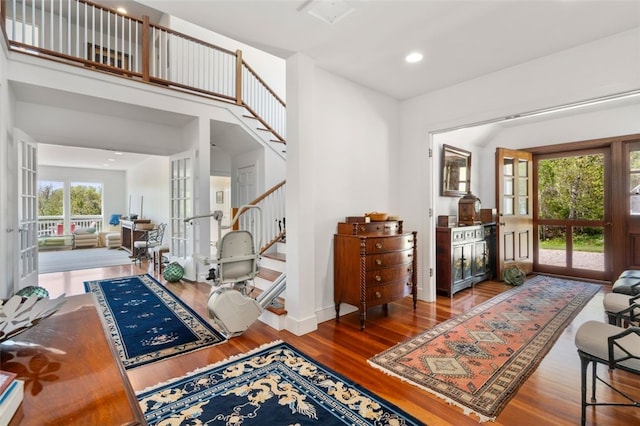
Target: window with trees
x=50, y=198
x=66, y=206
x=86, y=199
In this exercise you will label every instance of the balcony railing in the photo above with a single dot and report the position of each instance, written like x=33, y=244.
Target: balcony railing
x=53, y=226
x=82, y=32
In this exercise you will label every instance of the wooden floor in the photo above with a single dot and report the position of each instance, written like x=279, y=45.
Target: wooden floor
x=551, y=396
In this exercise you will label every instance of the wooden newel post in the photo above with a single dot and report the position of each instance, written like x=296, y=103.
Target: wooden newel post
x=146, y=53
x=234, y=211
x=239, y=77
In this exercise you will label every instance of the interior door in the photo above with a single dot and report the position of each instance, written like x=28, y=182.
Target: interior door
x=8, y=218
x=247, y=185
x=27, y=161
x=514, y=201
x=182, y=183
x=247, y=192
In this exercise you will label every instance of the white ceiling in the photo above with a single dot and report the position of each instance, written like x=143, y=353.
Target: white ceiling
x=460, y=40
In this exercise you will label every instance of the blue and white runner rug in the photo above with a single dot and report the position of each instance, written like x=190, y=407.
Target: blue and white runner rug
x=147, y=322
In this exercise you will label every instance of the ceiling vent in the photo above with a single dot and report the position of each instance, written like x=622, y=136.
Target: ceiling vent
x=329, y=11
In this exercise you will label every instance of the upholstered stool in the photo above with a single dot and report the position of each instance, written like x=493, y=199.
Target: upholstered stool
x=621, y=307
x=627, y=285
x=595, y=341
x=113, y=240
x=158, y=252
x=85, y=239
x=630, y=273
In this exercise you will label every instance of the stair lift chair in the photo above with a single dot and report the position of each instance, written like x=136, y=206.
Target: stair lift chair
x=236, y=263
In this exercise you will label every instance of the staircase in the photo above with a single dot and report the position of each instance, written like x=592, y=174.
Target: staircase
x=272, y=264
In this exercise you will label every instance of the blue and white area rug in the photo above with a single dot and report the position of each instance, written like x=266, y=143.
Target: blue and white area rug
x=272, y=385
x=147, y=322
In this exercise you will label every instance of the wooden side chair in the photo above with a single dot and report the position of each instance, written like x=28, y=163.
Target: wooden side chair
x=613, y=346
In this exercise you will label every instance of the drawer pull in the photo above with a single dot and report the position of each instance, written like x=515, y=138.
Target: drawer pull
x=378, y=295
x=410, y=240
x=378, y=245
x=409, y=284
x=378, y=261
x=362, y=228
x=378, y=278
x=410, y=255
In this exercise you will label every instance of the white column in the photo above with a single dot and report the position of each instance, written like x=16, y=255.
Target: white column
x=301, y=317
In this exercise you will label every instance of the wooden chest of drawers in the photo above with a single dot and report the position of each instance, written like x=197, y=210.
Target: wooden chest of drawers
x=374, y=264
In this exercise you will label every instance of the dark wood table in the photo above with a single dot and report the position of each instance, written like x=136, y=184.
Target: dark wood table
x=72, y=373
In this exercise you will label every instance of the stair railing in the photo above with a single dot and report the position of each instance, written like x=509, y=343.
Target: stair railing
x=102, y=39
x=272, y=206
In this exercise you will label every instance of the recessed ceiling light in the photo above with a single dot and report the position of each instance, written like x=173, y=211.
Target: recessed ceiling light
x=111, y=159
x=414, y=57
x=117, y=153
x=122, y=10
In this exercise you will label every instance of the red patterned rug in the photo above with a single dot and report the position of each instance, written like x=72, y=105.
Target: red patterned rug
x=478, y=360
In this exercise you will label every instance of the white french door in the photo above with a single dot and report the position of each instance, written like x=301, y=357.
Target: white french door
x=27, y=235
x=182, y=184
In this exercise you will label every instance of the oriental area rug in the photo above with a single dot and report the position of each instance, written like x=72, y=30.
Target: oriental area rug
x=147, y=322
x=478, y=360
x=272, y=385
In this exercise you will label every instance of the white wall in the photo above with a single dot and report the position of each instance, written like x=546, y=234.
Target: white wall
x=342, y=138
x=606, y=66
x=150, y=180
x=358, y=132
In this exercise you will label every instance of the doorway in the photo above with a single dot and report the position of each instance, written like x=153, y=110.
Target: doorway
x=600, y=237
x=572, y=213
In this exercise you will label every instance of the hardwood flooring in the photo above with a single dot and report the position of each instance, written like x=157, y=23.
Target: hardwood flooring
x=551, y=395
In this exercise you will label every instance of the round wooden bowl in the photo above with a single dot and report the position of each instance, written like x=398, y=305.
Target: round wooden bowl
x=378, y=217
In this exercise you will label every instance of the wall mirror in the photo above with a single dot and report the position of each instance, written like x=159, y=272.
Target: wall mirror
x=456, y=171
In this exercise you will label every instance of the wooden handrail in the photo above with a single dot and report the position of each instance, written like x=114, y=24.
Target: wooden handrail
x=266, y=86
x=268, y=192
x=192, y=39
x=258, y=200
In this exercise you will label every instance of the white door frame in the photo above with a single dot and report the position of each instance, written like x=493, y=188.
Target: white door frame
x=27, y=209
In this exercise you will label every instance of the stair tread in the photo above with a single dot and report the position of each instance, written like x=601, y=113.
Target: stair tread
x=268, y=274
x=279, y=301
x=276, y=256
